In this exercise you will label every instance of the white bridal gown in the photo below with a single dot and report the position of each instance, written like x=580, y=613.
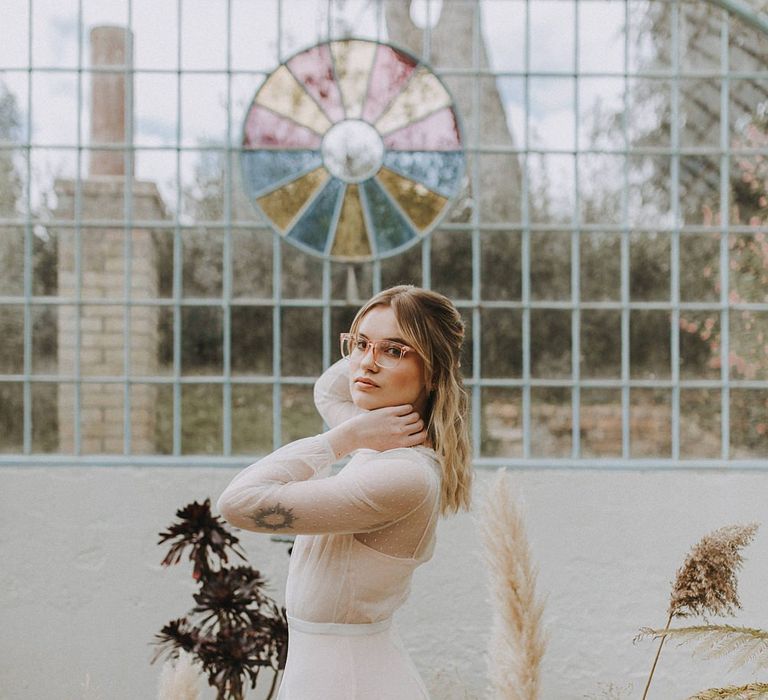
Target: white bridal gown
x=360, y=535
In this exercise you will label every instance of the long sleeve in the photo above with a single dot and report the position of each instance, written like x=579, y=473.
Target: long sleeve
x=332, y=397
x=280, y=494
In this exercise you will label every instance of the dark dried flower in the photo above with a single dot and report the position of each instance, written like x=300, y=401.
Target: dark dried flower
x=706, y=583
x=204, y=534
x=230, y=593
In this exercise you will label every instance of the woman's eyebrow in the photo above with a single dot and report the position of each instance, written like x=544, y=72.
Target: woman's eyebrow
x=391, y=340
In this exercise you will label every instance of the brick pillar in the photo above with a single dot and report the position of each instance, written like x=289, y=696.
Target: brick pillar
x=103, y=265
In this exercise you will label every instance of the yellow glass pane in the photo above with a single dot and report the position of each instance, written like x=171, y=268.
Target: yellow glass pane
x=420, y=204
x=422, y=96
x=283, y=94
x=351, y=237
x=353, y=61
x=284, y=204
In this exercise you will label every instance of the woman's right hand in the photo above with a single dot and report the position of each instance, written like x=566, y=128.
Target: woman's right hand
x=380, y=429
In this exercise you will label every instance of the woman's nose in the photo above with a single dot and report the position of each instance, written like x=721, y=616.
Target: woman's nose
x=368, y=361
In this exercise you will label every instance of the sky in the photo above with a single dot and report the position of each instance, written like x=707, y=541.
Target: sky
x=254, y=44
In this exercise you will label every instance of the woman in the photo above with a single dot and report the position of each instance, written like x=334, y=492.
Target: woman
x=394, y=402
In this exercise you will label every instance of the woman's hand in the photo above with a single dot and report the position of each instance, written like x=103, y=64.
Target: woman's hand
x=381, y=429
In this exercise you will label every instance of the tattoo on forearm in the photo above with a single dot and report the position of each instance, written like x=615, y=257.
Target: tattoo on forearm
x=275, y=518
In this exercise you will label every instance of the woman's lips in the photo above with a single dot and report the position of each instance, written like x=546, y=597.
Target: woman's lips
x=365, y=383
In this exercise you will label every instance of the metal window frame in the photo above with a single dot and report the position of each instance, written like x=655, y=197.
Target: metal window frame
x=472, y=307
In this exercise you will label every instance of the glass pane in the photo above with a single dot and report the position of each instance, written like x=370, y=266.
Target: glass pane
x=14, y=48
x=45, y=416
x=700, y=344
x=404, y=268
x=648, y=190
x=700, y=430
x=746, y=120
x=550, y=343
x=12, y=333
x=144, y=340
x=699, y=112
x=601, y=184
x=467, y=349
x=351, y=282
x=699, y=189
x=600, y=262
x=252, y=263
x=503, y=25
x=550, y=265
x=552, y=36
x=254, y=19
x=749, y=423
x=165, y=340
x=499, y=198
x=164, y=420
x=201, y=415
x=208, y=126
x=649, y=271
x=501, y=347
x=45, y=339
x=54, y=104
x=341, y=321
x=600, y=417
x=159, y=166
x=649, y=344
x=700, y=267
x=302, y=274
x=650, y=25
x=502, y=426
x=299, y=415
x=700, y=45
x=101, y=342
x=50, y=45
x=650, y=114
x=203, y=35
x=251, y=419
x=601, y=32
x=155, y=34
x=500, y=265
x=201, y=340
x=146, y=417
x=202, y=254
x=251, y=338
x=551, y=188
x=302, y=342
x=551, y=421
x=600, y=343
x=551, y=116
x=748, y=263
x=502, y=104
x=749, y=344
x=650, y=423
x=11, y=416
x=11, y=252
x=451, y=258
x=101, y=418
x=155, y=102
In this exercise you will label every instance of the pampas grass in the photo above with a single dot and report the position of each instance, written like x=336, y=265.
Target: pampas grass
x=517, y=642
x=179, y=679
x=751, y=691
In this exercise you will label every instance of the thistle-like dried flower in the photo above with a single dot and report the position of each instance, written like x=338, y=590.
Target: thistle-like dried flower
x=706, y=583
x=204, y=533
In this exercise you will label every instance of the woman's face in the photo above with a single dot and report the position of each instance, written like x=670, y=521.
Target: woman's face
x=375, y=387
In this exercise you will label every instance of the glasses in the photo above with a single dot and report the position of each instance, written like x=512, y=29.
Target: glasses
x=386, y=353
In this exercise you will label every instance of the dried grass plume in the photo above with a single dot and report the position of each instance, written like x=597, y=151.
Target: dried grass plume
x=706, y=583
x=517, y=642
x=179, y=679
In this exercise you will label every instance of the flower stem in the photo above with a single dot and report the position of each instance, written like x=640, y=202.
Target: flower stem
x=274, y=683
x=655, y=661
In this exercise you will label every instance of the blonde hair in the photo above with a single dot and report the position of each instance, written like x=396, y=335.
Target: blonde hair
x=434, y=328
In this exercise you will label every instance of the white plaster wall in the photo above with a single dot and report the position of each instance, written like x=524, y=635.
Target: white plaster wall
x=83, y=591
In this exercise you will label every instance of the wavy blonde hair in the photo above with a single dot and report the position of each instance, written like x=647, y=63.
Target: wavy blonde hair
x=431, y=324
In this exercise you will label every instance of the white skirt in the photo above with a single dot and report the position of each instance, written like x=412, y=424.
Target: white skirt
x=330, y=661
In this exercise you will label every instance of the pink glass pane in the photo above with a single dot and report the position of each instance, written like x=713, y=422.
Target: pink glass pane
x=265, y=129
x=314, y=70
x=391, y=69
x=437, y=132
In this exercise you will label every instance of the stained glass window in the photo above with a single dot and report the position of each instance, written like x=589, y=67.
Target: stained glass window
x=352, y=150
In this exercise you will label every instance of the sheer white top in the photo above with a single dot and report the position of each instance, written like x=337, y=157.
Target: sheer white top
x=360, y=533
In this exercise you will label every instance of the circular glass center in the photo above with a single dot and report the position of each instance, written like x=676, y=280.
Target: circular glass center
x=352, y=150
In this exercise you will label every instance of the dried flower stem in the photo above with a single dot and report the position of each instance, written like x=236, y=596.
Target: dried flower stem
x=658, y=653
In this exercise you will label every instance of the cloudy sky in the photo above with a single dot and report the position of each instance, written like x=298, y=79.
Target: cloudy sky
x=254, y=47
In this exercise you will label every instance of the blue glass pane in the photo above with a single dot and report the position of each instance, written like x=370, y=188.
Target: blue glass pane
x=266, y=170
x=312, y=229
x=390, y=227
x=440, y=171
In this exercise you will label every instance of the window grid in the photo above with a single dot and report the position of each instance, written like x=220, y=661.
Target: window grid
x=474, y=305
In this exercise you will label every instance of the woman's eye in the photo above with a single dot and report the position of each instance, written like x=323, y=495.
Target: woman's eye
x=361, y=344
x=393, y=350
